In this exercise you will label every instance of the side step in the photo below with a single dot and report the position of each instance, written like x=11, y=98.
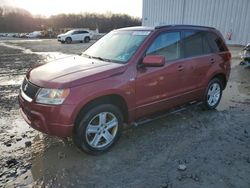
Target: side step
x=164, y=114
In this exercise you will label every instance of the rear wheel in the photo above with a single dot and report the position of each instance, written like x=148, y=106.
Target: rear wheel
x=68, y=40
x=98, y=129
x=86, y=39
x=213, y=94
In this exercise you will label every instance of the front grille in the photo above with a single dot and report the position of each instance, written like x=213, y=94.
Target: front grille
x=29, y=89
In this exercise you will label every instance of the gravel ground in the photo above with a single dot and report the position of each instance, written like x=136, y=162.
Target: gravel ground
x=189, y=148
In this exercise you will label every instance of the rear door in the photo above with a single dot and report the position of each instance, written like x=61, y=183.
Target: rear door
x=198, y=59
x=82, y=35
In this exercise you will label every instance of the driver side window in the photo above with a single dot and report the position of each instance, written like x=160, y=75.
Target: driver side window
x=166, y=44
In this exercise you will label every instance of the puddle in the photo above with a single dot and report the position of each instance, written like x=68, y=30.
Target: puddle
x=15, y=128
x=47, y=56
x=24, y=50
x=13, y=77
x=51, y=56
x=13, y=80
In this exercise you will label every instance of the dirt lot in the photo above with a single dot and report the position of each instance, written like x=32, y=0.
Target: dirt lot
x=188, y=149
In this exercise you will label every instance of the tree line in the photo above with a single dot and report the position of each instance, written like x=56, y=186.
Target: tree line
x=19, y=20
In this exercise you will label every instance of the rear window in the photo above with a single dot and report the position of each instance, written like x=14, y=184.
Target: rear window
x=192, y=43
x=83, y=32
x=215, y=42
x=195, y=43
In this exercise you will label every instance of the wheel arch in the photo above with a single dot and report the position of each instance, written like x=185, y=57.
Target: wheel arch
x=222, y=78
x=114, y=99
x=68, y=37
x=86, y=37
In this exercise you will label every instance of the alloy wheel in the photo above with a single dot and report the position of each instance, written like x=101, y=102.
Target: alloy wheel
x=101, y=130
x=213, y=95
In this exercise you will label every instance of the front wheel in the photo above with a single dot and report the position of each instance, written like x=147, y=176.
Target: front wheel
x=213, y=94
x=68, y=40
x=98, y=129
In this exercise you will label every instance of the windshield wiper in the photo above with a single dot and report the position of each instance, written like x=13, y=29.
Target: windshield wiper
x=95, y=57
x=86, y=55
x=102, y=59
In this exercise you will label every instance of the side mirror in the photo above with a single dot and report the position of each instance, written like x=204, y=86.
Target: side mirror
x=153, y=61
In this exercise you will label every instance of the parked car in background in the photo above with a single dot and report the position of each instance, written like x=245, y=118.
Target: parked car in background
x=245, y=55
x=79, y=35
x=12, y=35
x=35, y=34
x=126, y=76
x=23, y=35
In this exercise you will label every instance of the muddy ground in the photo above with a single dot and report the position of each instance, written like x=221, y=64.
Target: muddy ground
x=187, y=149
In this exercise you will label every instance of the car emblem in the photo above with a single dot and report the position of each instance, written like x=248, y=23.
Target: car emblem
x=25, y=87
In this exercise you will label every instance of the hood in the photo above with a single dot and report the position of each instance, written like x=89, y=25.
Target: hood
x=61, y=35
x=73, y=71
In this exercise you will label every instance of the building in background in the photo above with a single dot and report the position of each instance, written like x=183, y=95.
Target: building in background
x=231, y=17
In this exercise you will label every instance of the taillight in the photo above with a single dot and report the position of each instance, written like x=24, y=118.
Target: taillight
x=228, y=56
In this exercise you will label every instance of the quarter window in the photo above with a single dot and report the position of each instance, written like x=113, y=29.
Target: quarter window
x=215, y=42
x=166, y=44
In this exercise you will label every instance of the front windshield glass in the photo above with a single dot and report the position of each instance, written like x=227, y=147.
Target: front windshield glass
x=117, y=46
x=69, y=32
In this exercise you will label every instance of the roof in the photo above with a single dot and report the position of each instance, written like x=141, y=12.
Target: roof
x=184, y=26
x=143, y=28
x=137, y=28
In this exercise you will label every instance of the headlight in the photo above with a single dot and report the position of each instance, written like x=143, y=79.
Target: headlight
x=52, y=96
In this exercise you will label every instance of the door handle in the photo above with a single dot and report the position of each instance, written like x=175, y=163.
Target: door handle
x=180, y=68
x=212, y=61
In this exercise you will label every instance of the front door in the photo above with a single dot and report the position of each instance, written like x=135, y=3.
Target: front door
x=158, y=88
x=75, y=36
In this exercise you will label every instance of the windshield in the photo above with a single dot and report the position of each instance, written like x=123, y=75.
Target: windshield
x=117, y=46
x=69, y=32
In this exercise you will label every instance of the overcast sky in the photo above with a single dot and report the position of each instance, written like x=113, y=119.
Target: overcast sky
x=52, y=7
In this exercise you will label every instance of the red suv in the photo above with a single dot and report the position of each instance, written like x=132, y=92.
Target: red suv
x=127, y=75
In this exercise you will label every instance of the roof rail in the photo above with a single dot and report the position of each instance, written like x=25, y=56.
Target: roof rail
x=179, y=25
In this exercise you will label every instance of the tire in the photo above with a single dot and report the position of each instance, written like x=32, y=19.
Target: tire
x=62, y=42
x=68, y=40
x=98, y=129
x=213, y=94
x=86, y=39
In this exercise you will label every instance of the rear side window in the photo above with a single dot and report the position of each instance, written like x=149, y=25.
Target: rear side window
x=83, y=32
x=166, y=44
x=206, y=47
x=215, y=42
x=192, y=43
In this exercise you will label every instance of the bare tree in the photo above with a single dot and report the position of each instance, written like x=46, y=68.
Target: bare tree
x=18, y=20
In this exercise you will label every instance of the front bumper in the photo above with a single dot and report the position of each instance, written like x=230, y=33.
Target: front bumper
x=53, y=120
x=61, y=39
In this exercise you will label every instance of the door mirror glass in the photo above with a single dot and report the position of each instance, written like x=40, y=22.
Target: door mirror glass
x=154, y=61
